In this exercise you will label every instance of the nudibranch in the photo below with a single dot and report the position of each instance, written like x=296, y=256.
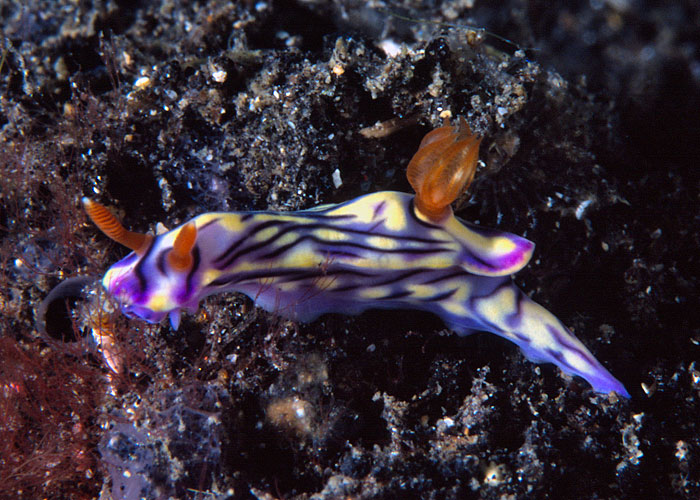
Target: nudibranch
x=383, y=250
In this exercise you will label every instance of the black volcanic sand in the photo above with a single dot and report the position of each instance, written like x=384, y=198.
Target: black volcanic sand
x=589, y=113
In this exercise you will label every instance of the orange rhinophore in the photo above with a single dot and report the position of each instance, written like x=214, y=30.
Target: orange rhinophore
x=442, y=168
x=110, y=225
x=180, y=257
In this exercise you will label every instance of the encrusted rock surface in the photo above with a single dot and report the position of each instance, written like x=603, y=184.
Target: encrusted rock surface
x=589, y=113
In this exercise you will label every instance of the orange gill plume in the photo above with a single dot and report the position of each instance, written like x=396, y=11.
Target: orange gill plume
x=443, y=167
x=110, y=226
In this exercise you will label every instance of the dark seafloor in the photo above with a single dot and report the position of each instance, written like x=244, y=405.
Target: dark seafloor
x=590, y=113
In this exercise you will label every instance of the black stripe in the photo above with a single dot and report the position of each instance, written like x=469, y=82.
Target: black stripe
x=236, y=254
x=521, y=337
x=160, y=262
x=251, y=275
x=460, y=273
x=401, y=276
x=440, y=296
x=324, y=216
x=196, y=261
x=252, y=231
x=230, y=256
x=374, y=226
x=482, y=262
x=204, y=226
x=486, y=232
x=488, y=324
x=560, y=360
x=378, y=209
x=396, y=295
x=291, y=274
x=308, y=214
x=568, y=344
x=279, y=250
x=505, y=284
x=348, y=288
x=514, y=319
x=138, y=268
x=225, y=280
x=412, y=212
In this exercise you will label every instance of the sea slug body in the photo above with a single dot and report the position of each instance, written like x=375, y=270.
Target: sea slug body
x=382, y=250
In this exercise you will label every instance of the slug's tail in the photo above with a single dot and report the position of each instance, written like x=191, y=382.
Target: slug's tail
x=547, y=340
x=508, y=312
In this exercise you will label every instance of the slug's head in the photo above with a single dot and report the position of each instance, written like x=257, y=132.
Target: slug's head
x=442, y=168
x=157, y=278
